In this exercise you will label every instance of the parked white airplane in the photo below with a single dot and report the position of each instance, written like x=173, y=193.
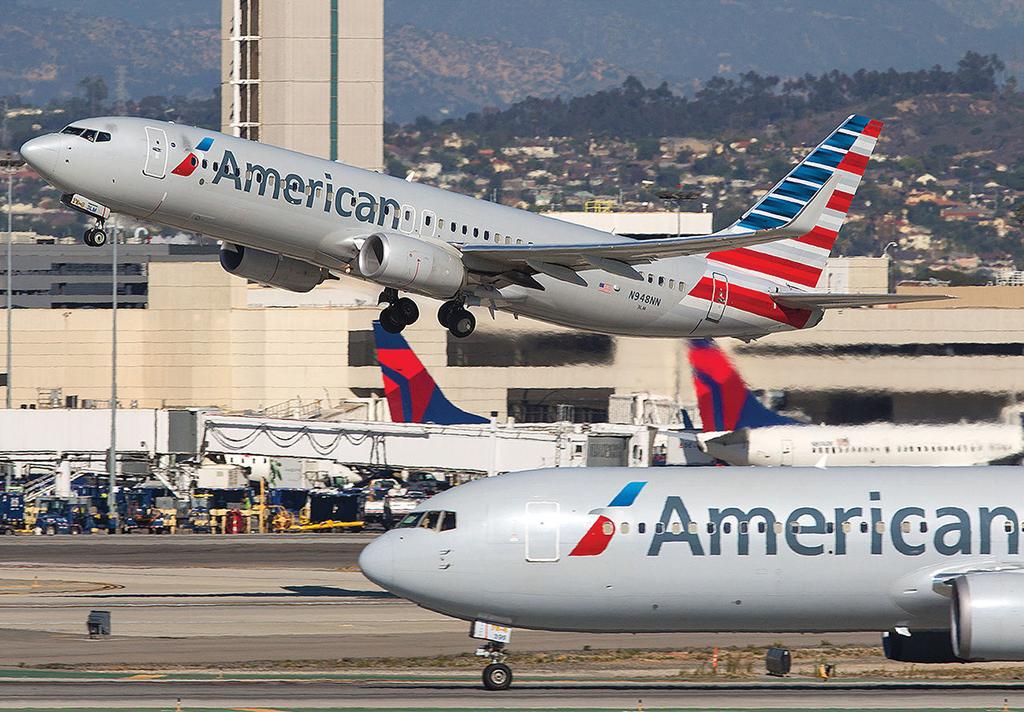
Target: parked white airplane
x=930, y=555
x=292, y=220
x=739, y=430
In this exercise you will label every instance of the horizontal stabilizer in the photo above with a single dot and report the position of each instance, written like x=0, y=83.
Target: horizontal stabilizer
x=838, y=300
x=631, y=252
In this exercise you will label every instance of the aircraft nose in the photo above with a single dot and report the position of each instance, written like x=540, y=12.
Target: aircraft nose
x=377, y=561
x=41, y=153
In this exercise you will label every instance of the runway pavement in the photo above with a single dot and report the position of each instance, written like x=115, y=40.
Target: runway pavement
x=533, y=694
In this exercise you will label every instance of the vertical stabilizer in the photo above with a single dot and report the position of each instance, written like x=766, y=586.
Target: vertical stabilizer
x=723, y=398
x=413, y=396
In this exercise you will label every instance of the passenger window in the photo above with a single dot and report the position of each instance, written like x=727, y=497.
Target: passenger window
x=497, y=237
x=681, y=287
x=677, y=527
x=464, y=229
x=205, y=164
x=453, y=227
x=761, y=528
x=744, y=527
x=846, y=527
x=711, y=528
x=215, y=168
x=661, y=281
x=641, y=528
x=429, y=520
x=650, y=279
x=519, y=241
x=727, y=528
x=671, y=284
x=408, y=215
x=777, y=527
x=863, y=527
x=448, y=522
x=487, y=234
x=476, y=232
x=1008, y=527
x=794, y=527
x=692, y=527
x=880, y=527
x=830, y=527
x=426, y=219
x=624, y=528
x=607, y=528
x=319, y=191
x=659, y=528
x=905, y=527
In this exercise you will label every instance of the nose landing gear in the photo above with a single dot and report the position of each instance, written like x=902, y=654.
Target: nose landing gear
x=400, y=312
x=95, y=236
x=456, y=318
x=497, y=675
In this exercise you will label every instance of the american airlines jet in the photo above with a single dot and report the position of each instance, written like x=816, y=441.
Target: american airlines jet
x=931, y=557
x=739, y=430
x=291, y=221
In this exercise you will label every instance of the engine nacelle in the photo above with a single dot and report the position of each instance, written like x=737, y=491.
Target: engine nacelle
x=988, y=616
x=403, y=262
x=921, y=646
x=270, y=268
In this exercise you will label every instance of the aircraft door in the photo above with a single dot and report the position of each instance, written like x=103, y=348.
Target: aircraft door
x=542, y=531
x=787, y=453
x=156, y=153
x=719, y=296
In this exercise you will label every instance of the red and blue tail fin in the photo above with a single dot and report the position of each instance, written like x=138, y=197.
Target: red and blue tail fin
x=800, y=260
x=723, y=398
x=413, y=396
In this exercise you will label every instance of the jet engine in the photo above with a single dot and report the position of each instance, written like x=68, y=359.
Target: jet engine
x=270, y=268
x=413, y=264
x=988, y=616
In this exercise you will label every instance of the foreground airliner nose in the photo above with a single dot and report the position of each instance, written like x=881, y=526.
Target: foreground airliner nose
x=41, y=153
x=377, y=560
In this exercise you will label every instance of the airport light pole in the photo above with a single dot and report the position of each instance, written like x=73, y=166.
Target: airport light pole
x=10, y=161
x=112, y=514
x=677, y=197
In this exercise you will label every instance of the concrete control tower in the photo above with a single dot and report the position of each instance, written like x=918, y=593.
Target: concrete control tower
x=306, y=75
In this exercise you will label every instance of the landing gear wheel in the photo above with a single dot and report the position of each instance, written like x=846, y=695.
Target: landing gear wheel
x=445, y=311
x=95, y=237
x=407, y=310
x=497, y=676
x=391, y=321
x=461, y=323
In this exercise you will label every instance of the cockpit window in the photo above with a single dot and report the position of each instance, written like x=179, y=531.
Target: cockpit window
x=409, y=520
x=434, y=521
x=88, y=134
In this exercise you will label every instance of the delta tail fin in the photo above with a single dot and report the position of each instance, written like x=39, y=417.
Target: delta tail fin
x=836, y=165
x=724, y=401
x=413, y=396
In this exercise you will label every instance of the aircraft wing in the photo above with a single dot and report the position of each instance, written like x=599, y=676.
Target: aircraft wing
x=838, y=300
x=562, y=261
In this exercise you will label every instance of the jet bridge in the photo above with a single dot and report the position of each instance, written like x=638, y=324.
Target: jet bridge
x=484, y=449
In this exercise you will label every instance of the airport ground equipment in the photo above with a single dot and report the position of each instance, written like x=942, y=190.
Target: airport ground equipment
x=98, y=623
x=778, y=662
x=12, y=512
x=64, y=515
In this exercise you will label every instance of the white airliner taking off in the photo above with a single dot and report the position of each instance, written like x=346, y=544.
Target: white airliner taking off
x=931, y=556
x=739, y=430
x=291, y=220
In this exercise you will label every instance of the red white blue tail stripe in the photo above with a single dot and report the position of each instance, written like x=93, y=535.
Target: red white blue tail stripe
x=799, y=261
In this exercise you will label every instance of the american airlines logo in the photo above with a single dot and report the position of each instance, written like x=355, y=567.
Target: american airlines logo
x=808, y=531
x=347, y=202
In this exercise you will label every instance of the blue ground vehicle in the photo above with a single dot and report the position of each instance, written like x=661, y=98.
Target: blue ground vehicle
x=12, y=512
x=64, y=515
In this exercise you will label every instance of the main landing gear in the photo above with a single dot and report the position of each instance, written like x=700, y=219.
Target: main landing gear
x=456, y=318
x=497, y=675
x=95, y=236
x=400, y=312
